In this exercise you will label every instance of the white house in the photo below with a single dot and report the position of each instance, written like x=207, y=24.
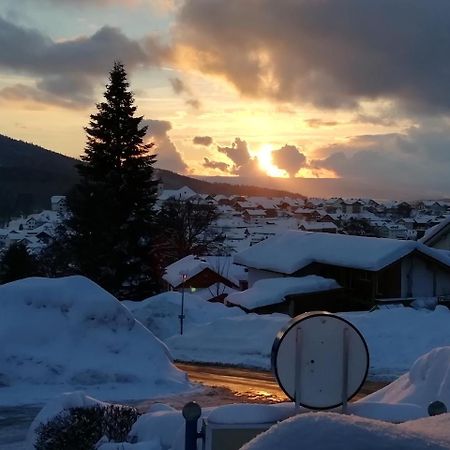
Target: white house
x=368, y=268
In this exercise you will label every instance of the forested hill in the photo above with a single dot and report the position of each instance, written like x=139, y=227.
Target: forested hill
x=30, y=175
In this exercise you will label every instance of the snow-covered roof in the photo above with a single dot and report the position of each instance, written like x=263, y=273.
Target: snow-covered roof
x=255, y=212
x=433, y=232
x=189, y=266
x=294, y=250
x=274, y=290
x=183, y=193
x=315, y=226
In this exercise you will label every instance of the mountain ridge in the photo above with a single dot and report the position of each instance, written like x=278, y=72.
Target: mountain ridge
x=31, y=174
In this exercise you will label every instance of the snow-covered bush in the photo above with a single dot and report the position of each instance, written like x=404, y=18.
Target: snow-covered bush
x=82, y=428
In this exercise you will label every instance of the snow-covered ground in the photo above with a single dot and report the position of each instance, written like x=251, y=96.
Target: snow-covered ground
x=216, y=334
x=68, y=334
x=394, y=418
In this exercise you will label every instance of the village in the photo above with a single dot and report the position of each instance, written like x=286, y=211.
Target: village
x=358, y=252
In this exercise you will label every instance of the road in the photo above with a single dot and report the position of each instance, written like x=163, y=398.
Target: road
x=256, y=384
x=223, y=385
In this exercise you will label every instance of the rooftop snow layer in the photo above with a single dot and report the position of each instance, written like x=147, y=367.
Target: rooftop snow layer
x=189, y=266
x=273, y=290
x=294, y=250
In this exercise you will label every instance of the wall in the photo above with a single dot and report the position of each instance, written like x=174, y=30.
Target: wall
x=257, y=274
x=422, y=278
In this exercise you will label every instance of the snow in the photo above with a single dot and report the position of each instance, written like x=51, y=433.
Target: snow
x=160, y=312
x=189, y=266
x=393, y=418
x=329, y=431
x=68, y=334
x=244, y=340
x=395, y=337
x=251, y=413
x=57, y=405
x=428, y=380
x=273, y=290
x=299, y=249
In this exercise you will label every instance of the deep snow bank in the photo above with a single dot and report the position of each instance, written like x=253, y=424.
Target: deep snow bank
x=328, y=431
x=160, y=312
x=427, y=381
x=69, y=334
x=395, y=337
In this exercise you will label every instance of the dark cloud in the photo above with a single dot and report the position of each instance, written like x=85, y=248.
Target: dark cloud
x=329, y=53
x=203, y=140
x=416, y=163
x=238, y=152
x=374, y=119
x=168, y=156
x=243, y=164
x=318, y=123
x=222, y=166
x=194, y=103
x=179, y=86
x=70, y=69
x=289, y=159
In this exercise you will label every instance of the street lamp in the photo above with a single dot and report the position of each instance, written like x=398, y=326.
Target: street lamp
x=182, y=316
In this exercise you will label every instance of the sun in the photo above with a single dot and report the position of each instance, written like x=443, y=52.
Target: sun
x=264, y=157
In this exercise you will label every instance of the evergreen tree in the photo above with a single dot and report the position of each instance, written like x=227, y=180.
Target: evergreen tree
x=111, y=223
x=17, y=263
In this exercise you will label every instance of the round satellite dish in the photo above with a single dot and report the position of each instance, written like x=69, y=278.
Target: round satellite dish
x=320, y=360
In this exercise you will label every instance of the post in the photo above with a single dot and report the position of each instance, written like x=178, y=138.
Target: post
x=181, y=316
x=345, y=356
x=191, y=413
x=298, y=368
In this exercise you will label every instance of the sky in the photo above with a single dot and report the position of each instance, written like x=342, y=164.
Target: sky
x=324, y=97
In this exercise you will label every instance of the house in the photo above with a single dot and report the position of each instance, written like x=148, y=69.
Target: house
x=253, y=215
x=367, y=268
x=324, y=227
x=288, y=295
x=193, y=273
x=307, y=214
x=438, y=236
x=59, y=204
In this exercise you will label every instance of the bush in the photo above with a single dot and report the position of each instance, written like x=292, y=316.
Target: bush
x=82, y=428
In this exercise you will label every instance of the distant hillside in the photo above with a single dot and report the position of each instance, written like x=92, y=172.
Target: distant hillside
x=173, y=180
x=30, y=175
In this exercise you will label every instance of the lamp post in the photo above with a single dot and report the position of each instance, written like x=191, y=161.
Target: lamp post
x=181, y=316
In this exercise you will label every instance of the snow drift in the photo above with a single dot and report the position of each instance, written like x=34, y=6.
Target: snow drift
x=69, y=334
x=427, y=381
x=329, y=431
x=160, y=312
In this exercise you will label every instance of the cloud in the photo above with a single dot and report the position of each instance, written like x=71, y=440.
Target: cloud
x=203, y=140
x=194, y=103
x=289, y=159
x=168, y=156
x=238, y=152
x=415, y=163
x=179, y=86
x=327, y=53
x=70, y=69
x=318, y=123
x=243, y=164
x=222, y=166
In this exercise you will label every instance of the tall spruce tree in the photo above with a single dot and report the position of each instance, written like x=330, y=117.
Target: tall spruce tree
x=111, y=224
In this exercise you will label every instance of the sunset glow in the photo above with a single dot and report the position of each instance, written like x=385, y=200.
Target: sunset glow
x=266, y=164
